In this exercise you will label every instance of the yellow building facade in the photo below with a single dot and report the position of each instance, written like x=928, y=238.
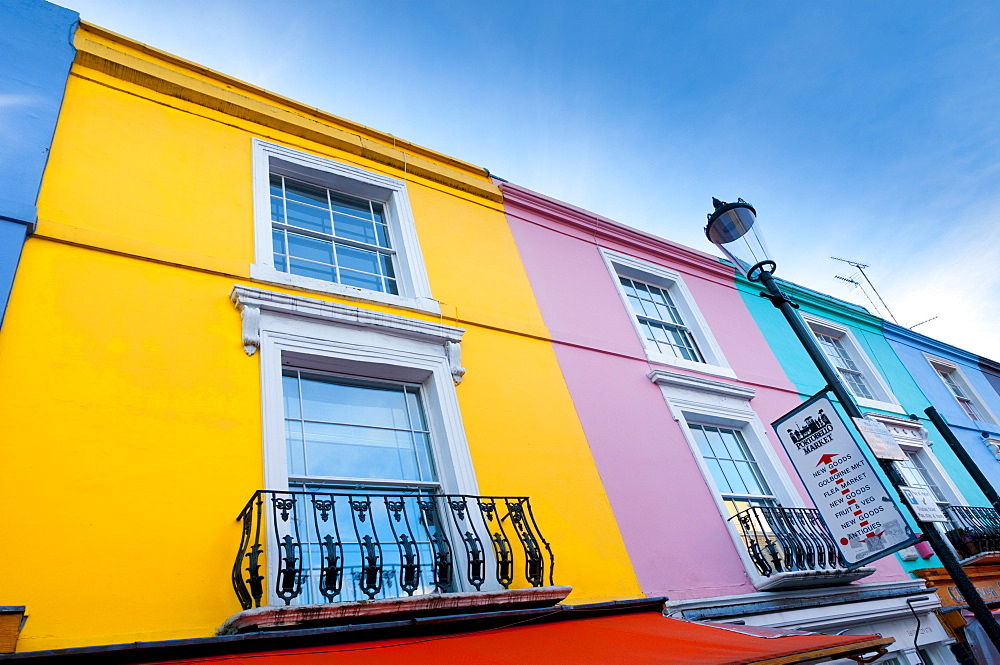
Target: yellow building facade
x=154, y=315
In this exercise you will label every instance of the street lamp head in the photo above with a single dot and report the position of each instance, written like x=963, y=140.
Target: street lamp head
x=732, y=228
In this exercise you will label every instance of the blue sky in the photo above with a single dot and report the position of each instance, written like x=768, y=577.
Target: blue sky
x=863, y=130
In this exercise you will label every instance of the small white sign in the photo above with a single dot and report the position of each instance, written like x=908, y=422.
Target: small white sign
x=924, y=504
x=857, y=509
x=880, y=439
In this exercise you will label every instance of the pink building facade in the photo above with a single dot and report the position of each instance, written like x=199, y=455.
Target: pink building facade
x=676, y=387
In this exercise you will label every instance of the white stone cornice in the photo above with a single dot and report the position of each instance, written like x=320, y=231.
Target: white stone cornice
x=251, y=302
x=662, y=377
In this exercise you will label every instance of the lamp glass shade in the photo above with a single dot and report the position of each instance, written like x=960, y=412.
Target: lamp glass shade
x=733, y=228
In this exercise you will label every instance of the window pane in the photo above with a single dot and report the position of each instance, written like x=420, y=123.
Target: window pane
x=660, y=320
x=323, y=211
x=702, y=440
x=857, y=384
x=730, y=462
x=357, y=259
x=721, y=482
x=277, y=210
x=353, y=228
x=305, y=193
x=278, y=241
x=308, y=217
x=734, y=478
x=359, y=452
x=750, y=478
x=296, y=450
x=415, y=411
x=382, y=235
x=290, y=392
x=629, y=289
x=314, y=270
x=361, y=280
x=423, y=447
x=385, y=261
x=304, y=247
x=355, y=404
x=350, y=205
x=276, y=186
x=355, y=429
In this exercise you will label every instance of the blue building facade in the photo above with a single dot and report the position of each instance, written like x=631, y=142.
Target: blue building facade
x=959, y=386
x=36, y=51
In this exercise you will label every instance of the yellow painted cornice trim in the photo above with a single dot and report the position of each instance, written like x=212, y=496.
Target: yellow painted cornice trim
x=236, y=98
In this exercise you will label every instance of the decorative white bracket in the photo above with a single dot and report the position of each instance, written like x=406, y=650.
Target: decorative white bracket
x=454, y=353
x=250, y=314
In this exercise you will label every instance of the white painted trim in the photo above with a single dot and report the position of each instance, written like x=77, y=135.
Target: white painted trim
x=707, y=402
x=663, y=377
x=282, y=333
x=415, y=291
x=252, y=301
x=858, y=355
x=628, y=266
x=913, y=438
x=953, y=368
x=890, y=617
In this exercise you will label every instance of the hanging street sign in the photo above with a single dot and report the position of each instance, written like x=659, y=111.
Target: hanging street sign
x=850, y=497
x=924, y=504
x=880, y=439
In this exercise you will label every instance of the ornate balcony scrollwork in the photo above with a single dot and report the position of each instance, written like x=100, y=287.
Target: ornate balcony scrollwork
x=781, y=540
x=973, y=531
x=317, y=547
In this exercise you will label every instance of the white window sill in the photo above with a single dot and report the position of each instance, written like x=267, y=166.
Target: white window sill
x=875, y=404
x=804, y=579
x=681, y=363
x=264, y=273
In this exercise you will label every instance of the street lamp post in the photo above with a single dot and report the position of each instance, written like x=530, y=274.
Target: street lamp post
x=733, y=228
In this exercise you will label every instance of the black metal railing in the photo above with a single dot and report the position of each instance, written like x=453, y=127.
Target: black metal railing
x=339, y=546
x=782, y=540
x=973, y=531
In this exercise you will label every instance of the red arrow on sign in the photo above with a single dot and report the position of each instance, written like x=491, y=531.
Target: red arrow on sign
x=825, y=459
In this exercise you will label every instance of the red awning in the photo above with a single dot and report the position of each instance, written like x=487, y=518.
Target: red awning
x=646, y=638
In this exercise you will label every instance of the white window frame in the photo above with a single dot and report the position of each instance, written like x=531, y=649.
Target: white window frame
x=414, y=288
x=942, y=366
x=622, y=265
x=706, y=401
x=913, y=439
x=340, y=338
x=886, y=400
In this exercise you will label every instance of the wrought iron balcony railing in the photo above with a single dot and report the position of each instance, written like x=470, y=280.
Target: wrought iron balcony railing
x=781, y=540
x=321, y=547
x=973, y=531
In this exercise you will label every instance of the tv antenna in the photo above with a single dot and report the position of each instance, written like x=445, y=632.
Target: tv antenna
x=856, y=284
x=861, y=268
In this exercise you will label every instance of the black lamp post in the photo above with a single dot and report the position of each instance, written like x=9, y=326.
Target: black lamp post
x=733, y=228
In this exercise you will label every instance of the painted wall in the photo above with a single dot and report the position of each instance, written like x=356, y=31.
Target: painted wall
x=134, y=412
x=675, y=535
x=36, y=50
x=868, y=332
x=911, y=347
x=991, y=370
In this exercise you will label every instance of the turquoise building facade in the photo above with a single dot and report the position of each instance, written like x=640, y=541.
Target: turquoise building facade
x=887, y=383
